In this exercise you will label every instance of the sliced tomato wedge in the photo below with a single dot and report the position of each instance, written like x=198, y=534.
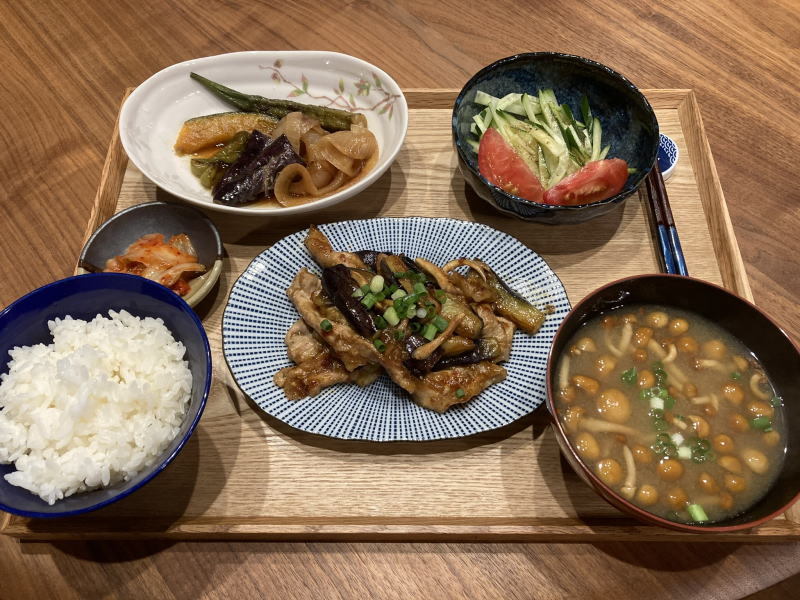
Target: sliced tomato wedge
x=502, y=166
x=597, y=180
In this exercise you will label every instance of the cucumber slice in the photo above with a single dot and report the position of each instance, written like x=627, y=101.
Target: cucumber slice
x=544, y=172
x=531, y=106
x=597, y=134
x=511, y=103
x=484, y=99
x=478, y=122
x=586, y=112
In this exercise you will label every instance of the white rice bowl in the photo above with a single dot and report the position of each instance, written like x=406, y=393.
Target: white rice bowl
x=93, y=408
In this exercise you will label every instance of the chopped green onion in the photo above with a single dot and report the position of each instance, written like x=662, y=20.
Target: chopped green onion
x=460, y=393
x=440, y=323
x=421, y=313
x=701, y=457
x=412, y=312
x=369, y=300
x=684, y=452
x=629, y=376
x=358, y=293
x=655, y=412
x=645, y=394
x=379, y=345
x=392, y=289
x=441, y=296
x=415, y=326
x=763, y=423
x=399, y=335
x=701, y=451
x=657, y=403
x=669, y=402
x=380, y=322
x=776, y=402
x=419, y=288
x=380, y=296
x=736, y=375
x=365, y=288
x=325, y=325
x=668, y=450
x=660, y=424
x=397, y=294
x=697, y=513
x=401, y=306
x=429, y=332
x=412, y=275
x=661, y=375
x=390, y=314
x=676, y=438
x=376, y=284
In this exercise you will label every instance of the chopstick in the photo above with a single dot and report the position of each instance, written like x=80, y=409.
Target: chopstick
x=669, y=243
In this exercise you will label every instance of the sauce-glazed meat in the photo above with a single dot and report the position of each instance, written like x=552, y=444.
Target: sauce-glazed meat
x=435, y=332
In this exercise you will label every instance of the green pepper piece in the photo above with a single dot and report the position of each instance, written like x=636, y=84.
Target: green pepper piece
x=330, y=118
x=210, y=170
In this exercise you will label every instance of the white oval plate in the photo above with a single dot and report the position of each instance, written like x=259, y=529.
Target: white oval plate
x=259, y=313
x=154, y=113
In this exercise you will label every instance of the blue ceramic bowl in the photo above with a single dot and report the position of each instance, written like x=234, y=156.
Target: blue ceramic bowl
x=24, y=323
x=629, y=125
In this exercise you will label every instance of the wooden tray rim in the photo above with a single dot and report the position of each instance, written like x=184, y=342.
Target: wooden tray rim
x=734, y=277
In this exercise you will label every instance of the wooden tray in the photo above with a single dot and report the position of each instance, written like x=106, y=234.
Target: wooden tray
x=246, y=475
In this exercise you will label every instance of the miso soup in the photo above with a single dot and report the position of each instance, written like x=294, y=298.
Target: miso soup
x=671, y=412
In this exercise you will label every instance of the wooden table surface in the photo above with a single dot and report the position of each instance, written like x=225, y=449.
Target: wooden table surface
x=66, y=64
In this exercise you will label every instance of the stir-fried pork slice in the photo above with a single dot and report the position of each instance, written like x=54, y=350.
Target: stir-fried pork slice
x=320, y=248
x=474, y=289
x=439, y=390
x=316, y=367
x=353, y=350
x=498, y=330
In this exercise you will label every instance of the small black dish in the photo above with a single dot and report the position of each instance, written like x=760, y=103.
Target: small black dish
x=120, y=231
x=629, y=125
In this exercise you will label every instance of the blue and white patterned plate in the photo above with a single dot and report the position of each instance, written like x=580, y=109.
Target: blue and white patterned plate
x=259, y=313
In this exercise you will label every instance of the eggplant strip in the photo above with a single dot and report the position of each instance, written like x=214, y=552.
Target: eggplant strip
x=510, y=304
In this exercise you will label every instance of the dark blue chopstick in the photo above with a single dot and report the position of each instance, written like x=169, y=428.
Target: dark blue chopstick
x=668, y=240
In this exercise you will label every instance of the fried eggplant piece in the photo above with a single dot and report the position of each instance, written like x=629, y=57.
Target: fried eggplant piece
x=510, y=304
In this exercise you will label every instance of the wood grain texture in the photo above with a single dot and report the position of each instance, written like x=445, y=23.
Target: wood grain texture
x=504, y=485
x=66, y=65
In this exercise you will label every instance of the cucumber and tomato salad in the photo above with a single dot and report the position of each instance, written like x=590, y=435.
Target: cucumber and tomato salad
x=534, y=148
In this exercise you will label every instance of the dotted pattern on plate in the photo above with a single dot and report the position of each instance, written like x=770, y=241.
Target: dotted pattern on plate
x=259, y=313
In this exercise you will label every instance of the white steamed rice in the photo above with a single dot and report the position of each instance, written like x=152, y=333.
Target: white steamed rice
x=93, y=408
